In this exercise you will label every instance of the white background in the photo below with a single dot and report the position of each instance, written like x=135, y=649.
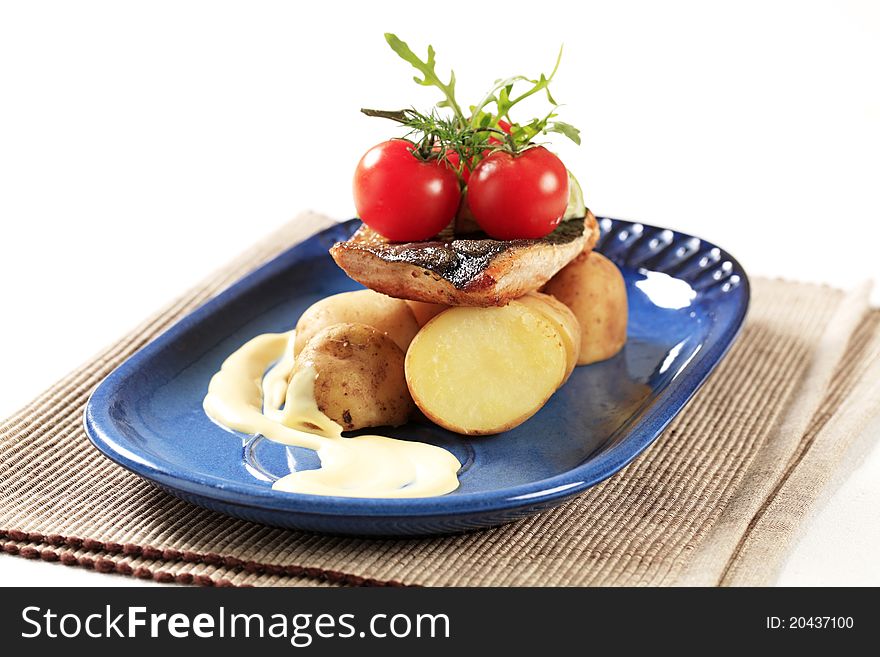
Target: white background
x=143, y=144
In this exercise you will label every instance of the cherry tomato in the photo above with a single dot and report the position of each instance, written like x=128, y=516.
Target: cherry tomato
x=519, y=196
x=402, y=197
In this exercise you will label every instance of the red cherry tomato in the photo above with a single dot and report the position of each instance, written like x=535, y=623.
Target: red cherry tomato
x=519, y=196
x=402, y=197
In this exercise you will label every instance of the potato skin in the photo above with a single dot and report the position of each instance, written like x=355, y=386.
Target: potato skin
x=360, y=376
x=425, y=312
x=385, y=314
x=594, y=289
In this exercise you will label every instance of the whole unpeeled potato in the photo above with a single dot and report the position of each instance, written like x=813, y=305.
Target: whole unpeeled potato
x=385, y=314
x=594, y=289
x=360, y=379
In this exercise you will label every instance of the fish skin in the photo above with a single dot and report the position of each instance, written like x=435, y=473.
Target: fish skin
x=463, y=272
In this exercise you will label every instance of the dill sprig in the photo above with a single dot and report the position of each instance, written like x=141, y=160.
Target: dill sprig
x=437, y=135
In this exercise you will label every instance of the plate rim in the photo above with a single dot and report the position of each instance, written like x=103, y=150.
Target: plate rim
x=543, y=492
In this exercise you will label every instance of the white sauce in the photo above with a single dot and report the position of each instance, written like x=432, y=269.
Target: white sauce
x=241, y=398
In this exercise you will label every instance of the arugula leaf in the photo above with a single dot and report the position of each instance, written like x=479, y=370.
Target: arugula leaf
x=502, y=97
x=427, y=69
x=565, y=129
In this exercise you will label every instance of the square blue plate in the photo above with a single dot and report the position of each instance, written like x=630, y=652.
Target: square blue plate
x=687, y=301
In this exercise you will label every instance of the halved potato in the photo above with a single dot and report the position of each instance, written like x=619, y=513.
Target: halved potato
x=390, y=316
x=594, y=289
x=425, y=312
x=563, y=320
x=485, y=370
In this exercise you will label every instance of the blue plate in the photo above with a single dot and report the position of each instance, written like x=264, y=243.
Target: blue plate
x=687, y=301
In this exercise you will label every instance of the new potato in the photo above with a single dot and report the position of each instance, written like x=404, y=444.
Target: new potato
x=593, y=288
x=385, y=314
x=485, y=370
x=360, y=376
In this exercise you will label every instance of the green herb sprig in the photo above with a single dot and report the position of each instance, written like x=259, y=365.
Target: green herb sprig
x=428, y=71
x=436, y=136
x=472, y=137
x=501, y=96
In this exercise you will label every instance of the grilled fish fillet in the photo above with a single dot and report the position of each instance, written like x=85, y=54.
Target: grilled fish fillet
x=463, y=272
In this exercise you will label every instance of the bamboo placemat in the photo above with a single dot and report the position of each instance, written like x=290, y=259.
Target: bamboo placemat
x=715, y=500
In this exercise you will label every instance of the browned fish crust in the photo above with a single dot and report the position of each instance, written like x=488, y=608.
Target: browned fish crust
x=463, y=272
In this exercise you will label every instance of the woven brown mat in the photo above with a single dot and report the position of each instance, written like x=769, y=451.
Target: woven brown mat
x=715, y=500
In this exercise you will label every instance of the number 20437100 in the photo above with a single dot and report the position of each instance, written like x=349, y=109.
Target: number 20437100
x=809, y=622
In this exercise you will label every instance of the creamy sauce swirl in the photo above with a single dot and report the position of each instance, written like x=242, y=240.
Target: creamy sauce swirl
x=244, y=397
